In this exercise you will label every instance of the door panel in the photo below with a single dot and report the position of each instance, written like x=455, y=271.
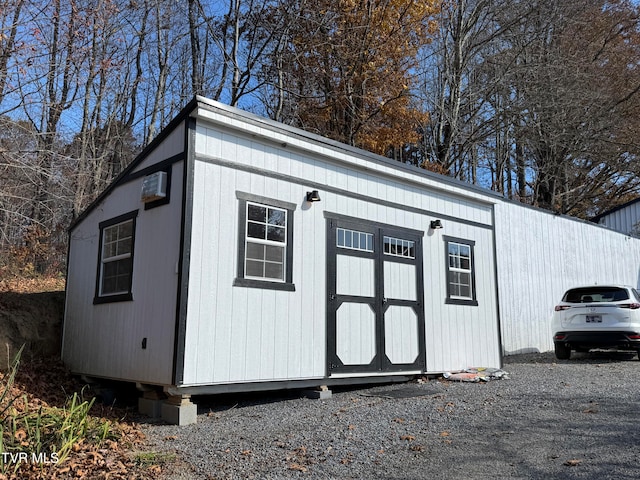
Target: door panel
x=355, y=276
x=355, y=334
x=400, y=281
x=375, y=291
x=402, y=342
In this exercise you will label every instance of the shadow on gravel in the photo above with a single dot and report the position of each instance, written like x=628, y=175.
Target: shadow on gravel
x=581, y=357
x=229, y=401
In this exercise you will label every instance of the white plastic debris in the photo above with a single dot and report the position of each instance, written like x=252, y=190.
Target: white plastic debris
x=479, y=374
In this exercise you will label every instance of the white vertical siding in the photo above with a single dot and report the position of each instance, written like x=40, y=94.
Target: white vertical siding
x=105, y=340
x=460, y=336
x=540, y=256
x=247, y=334
x=240, y=334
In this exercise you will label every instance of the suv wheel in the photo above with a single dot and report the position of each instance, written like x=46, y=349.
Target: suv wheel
x=562, y=351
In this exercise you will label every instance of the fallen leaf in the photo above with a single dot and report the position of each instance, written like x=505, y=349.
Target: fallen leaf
x=246, y=452
x=416, y=448
x=408, y=438
x=298, y=467
x=95, y=456
x=573, y=463
x=444, y=434
x=398, y=420
x=352, y=427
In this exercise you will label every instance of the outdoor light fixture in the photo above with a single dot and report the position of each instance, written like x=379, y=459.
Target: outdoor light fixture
x=313, y=196
x=436, y=224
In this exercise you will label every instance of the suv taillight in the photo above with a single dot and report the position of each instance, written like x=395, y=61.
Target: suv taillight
x=560, y=308
x=632, y=306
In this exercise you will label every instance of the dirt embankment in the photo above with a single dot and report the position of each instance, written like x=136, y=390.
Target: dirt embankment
x=33, y=320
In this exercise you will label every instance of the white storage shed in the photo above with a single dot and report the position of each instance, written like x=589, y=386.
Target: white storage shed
x=236, y=253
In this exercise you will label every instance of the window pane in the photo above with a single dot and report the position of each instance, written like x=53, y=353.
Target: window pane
x=354, y=240
x=125, y=229
x=274, y=254
x=465, y=263
x=116, y=276
x=277, y=217
x=347, y=238
x=108, y=285
x=460, y=284
x=108, y=251
x=254, y=268
x=399, y=247
x=454, y=249
x=124, y=246
x=273, y=270
x=276, y=234
x=465, y=291
x=256, y=213
x=256, y=230
x=255, y=251
x=110, y=234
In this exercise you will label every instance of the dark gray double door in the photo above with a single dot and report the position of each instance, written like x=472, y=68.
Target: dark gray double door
x=375, y=298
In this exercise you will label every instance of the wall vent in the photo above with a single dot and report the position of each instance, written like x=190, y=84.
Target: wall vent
x=154, y=187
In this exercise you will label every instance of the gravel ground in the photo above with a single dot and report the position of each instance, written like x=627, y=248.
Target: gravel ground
x=550, y=419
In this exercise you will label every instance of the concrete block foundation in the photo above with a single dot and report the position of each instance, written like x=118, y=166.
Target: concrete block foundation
x=179, y=410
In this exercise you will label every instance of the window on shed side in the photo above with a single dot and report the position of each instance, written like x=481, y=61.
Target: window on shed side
x=266, y=242
x=116, y=259
x=460, y=272
x=265, y=254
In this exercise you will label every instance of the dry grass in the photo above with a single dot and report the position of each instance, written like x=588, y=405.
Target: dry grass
x=35, y=284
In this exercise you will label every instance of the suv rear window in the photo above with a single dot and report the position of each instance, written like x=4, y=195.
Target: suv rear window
x=595, y=294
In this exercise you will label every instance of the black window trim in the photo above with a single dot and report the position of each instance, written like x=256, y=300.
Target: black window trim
x=123, y=297
x=460, y=301
x=240, y=281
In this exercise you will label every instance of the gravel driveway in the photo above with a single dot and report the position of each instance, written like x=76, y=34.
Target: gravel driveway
x=550, y=419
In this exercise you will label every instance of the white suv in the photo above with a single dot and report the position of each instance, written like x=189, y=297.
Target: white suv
x=597, y=317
